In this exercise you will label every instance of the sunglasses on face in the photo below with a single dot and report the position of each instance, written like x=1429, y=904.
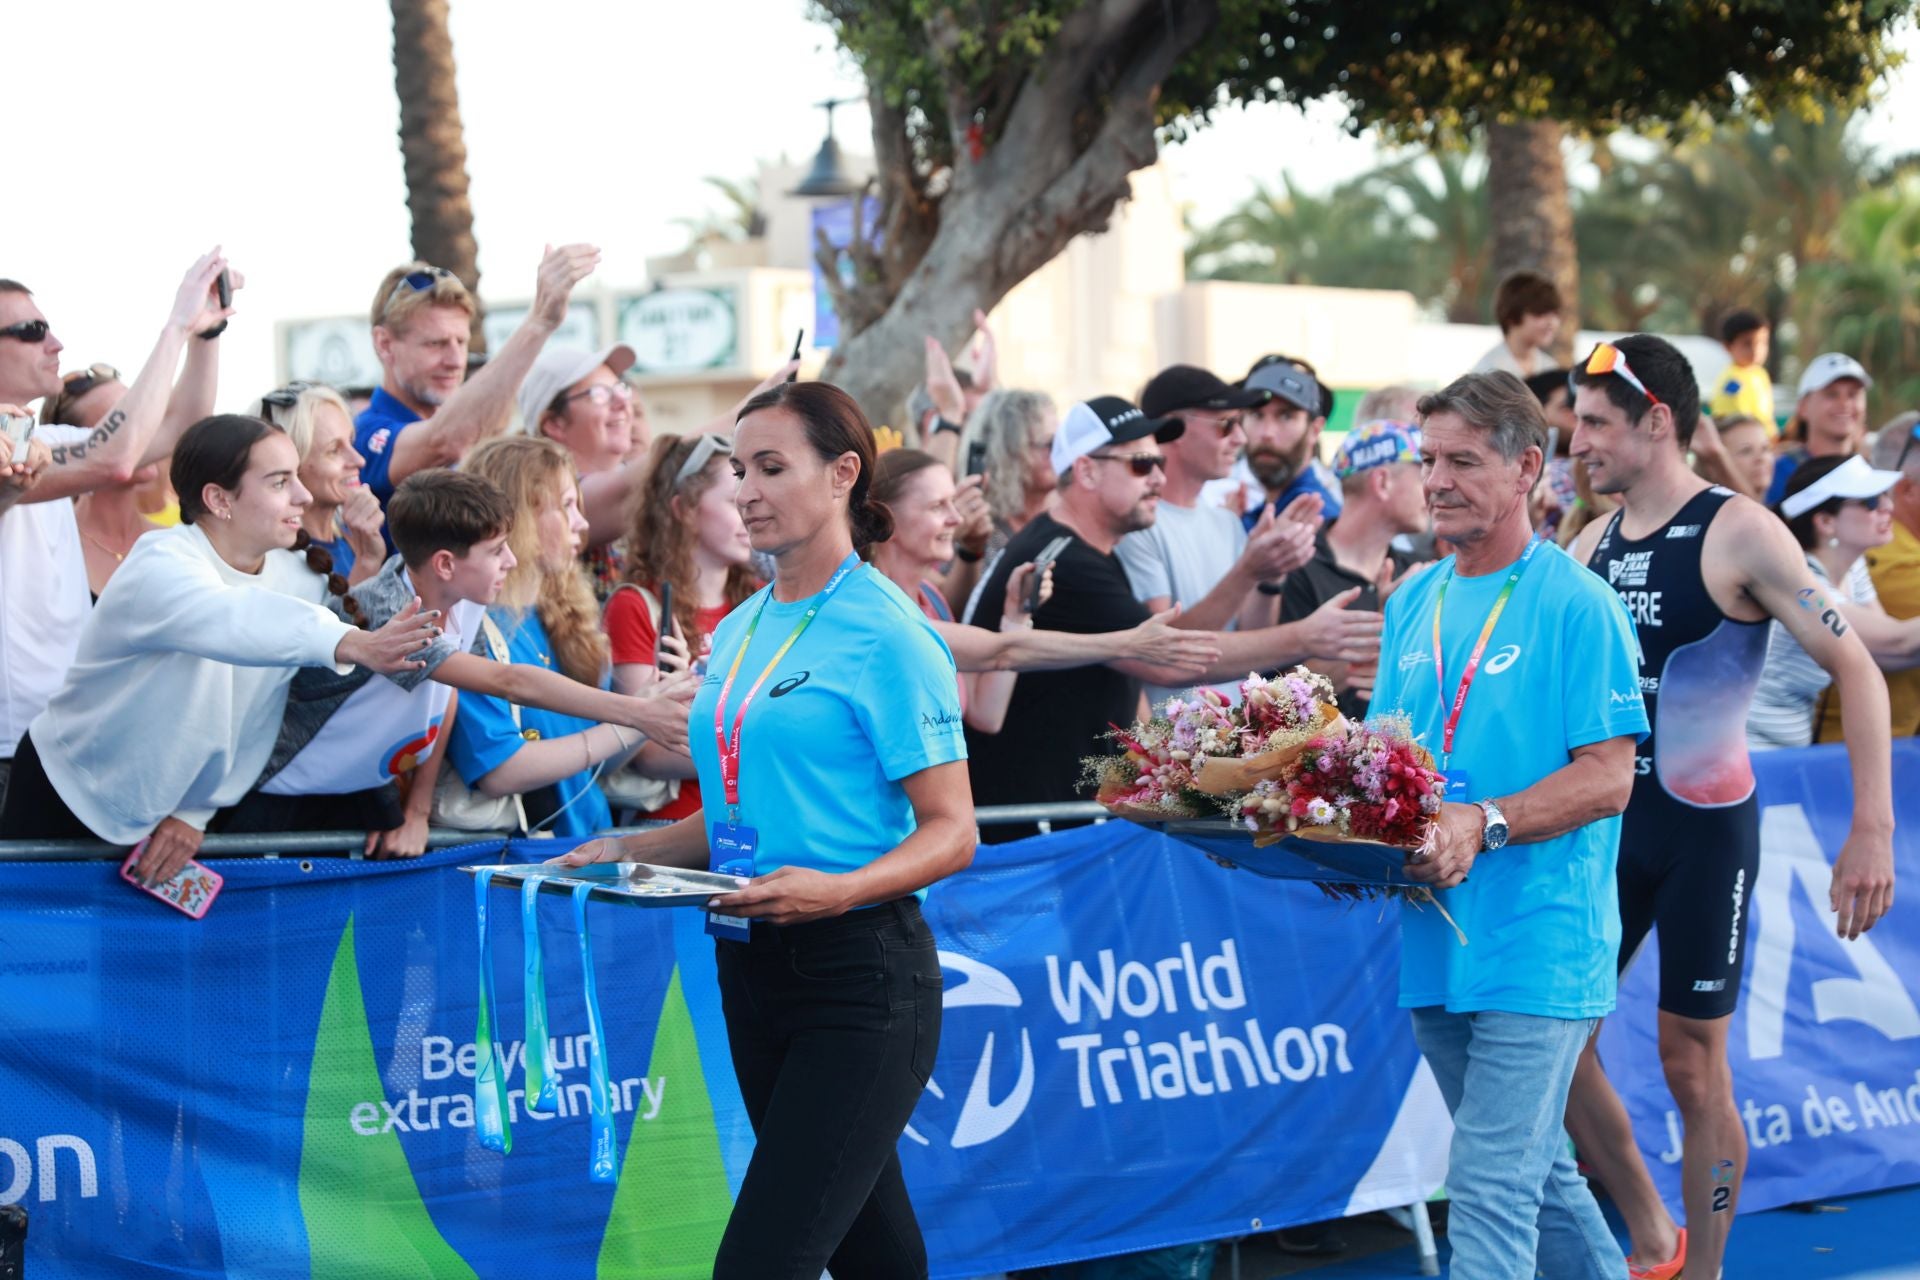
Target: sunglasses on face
x=1870, y=504
x=418, y=282
x=31, y=332
x=1141, y=464
x=1606, y=358
x=1226, y=424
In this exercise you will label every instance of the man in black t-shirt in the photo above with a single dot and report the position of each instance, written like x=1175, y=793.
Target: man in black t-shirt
x=1378, y=466
x=1107, y=455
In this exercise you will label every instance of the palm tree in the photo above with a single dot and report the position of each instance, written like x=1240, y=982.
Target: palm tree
x=433, y=144
x=1869, y=295
x=742, y=219
x=1440, y=202
x=1288, y=236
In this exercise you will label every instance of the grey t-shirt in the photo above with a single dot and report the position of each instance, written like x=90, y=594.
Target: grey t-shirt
x=386, y=724
x=1183, y=556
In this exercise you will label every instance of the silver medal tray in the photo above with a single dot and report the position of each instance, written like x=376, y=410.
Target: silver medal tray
x=633, y=884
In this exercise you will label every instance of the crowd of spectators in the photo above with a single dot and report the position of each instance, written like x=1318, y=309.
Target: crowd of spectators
x=517, y=534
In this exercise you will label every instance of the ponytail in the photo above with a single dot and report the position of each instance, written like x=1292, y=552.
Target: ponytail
x=320, y=560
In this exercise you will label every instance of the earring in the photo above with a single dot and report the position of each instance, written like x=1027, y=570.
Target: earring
x=1833, y=542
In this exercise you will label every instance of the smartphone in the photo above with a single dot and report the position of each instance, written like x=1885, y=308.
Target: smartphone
x=799, y=336
x=225, y=285
x=977, y=458
x=191, y=891
x=666, y=619
x=18, y=429
x=1048, y=554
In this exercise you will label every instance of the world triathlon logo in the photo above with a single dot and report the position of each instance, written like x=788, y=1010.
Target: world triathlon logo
x=982, y=1117
x=409, y=753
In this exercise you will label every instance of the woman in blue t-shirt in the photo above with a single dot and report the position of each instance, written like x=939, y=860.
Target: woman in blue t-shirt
x=548, y=617
x=831, y=759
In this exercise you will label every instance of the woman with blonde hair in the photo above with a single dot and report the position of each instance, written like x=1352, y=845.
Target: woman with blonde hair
x=344, y=517
x=548, y=616
x=688, y=548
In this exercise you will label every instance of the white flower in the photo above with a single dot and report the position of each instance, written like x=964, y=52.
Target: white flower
x=1320, y=811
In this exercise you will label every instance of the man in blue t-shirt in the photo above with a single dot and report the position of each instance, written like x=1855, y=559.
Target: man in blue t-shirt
x=425, y=412
x=1517, y=667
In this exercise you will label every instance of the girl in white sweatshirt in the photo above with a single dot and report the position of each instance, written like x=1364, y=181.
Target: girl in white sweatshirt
x=172, y=705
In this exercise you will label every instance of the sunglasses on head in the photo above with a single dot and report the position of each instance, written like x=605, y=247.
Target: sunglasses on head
x=704, y=450
x=1606, y=358
x=30, y=332
x=418, y=282
x=1141, y=464
x=1913, y=437
x=284, y=398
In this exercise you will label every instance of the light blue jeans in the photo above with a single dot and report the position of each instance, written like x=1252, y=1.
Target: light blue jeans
x=1517, y=1200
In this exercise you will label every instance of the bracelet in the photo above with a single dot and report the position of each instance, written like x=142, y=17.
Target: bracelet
x=966, y=556
x=1272, y=588
x=946, y=424
x=619, y=737
x=208, y=335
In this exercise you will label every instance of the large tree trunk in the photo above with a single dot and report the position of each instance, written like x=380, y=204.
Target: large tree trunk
x=433, y=145
x=1081, y=124
x=1533, y=214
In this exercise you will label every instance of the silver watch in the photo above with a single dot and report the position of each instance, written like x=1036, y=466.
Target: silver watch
x=1494, y=834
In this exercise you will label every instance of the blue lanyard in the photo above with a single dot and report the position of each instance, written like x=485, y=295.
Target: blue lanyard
x=489, y=1081
x=537, y=1049
x=600, y=1107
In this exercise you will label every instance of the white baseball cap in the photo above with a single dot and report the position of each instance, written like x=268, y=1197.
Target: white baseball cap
x=1827, y=369
x=556, y=369
x=1854, y=478
x=1104, y=420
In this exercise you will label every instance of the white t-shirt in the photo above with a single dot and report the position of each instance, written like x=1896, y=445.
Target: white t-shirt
x=43, y=588
x=1791, y=682
x=1183, y=556
x=177, y=689
x=387, y=727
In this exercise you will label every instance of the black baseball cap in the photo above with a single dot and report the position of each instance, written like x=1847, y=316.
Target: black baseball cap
x=1185, y=386
x=1104, y=420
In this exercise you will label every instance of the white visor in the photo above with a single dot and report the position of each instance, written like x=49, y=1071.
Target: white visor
x=1854, y=478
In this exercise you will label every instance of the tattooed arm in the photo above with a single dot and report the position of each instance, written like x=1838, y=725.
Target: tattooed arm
x=120, y=444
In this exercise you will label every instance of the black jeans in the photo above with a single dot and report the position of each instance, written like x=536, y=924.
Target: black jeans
x=833, y=1027
x=33, y=810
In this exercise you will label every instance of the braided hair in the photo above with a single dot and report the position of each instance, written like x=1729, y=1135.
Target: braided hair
x=320, y=560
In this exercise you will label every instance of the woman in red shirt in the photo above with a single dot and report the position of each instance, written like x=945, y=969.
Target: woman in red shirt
x=918, y=491
x=685, y=533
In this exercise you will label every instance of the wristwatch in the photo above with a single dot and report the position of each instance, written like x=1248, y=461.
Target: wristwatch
x=1494, y=834
x=947, y=424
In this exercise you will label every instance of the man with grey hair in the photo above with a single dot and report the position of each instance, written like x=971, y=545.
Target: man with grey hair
x=1393, y=403
x=1895, y=569
x=1516, y=667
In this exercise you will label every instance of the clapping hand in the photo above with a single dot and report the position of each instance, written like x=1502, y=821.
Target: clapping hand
x=986, y=356
x=361, y=517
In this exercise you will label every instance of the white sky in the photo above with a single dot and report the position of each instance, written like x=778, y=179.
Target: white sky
x=157, y=130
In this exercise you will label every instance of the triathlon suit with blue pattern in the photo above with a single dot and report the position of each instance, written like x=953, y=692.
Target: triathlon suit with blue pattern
x=1690, y=844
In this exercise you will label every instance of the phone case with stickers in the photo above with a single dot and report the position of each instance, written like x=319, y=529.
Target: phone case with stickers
x=191, y=892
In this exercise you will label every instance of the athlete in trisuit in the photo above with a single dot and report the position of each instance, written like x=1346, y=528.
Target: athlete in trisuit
x=1701, y=571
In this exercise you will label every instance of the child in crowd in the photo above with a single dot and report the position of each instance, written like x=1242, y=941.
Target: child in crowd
x=550, y=620
x=358, y=753
x=685, y=533
x=1744, y=387
x=170, y=708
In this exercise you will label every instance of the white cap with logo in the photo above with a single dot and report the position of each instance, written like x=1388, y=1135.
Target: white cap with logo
x=1825, y=370
x=1104, y=420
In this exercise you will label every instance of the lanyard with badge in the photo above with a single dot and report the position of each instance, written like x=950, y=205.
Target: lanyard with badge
x=733, y=844
x=1461, y=783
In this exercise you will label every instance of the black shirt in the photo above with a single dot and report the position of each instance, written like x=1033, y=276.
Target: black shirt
x=1320, y=580
x=1055, y=718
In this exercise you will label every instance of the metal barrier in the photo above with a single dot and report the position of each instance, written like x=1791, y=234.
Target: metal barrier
x=352, y=843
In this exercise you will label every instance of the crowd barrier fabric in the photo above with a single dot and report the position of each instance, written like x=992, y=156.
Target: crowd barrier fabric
x=1140, y=1049
x=1825, y=1044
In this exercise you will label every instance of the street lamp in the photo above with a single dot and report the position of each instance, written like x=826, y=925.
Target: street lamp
x=829, y=175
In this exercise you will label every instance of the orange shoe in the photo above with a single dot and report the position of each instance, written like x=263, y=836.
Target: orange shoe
x=1663, y=1270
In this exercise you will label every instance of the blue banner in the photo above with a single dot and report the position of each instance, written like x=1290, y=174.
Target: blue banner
x=1825, y=1045
x=1140, y=1049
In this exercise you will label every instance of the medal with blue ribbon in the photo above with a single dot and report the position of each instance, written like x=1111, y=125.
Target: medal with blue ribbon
x=542, y=1095
x=489, y=1079
x=599, y=1105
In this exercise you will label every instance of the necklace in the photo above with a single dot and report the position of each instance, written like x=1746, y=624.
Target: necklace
x=119, y=557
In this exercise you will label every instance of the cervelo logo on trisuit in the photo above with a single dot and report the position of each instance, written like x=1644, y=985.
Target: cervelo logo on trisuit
x=1503, y=658
x=981, y=1118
